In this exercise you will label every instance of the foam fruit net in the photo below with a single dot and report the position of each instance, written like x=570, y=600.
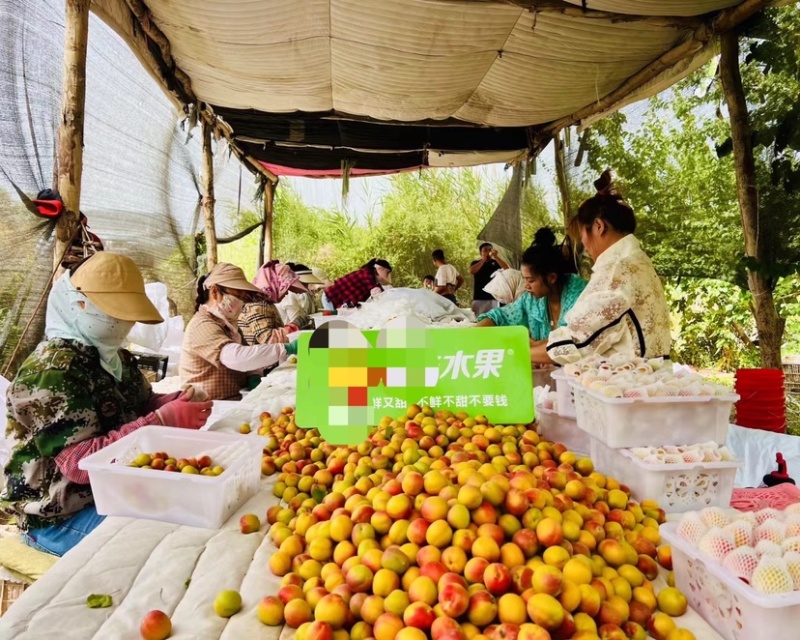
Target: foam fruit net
x=754, y=547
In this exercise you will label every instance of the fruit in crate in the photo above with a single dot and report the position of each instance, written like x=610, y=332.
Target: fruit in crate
x=621, y=377
x=445, y=526
x=754, y=547
x=156, y=625
x=161, y=461
x=685, y=454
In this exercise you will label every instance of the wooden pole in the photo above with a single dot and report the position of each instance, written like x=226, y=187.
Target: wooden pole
x=265, y=244
x=207, y=179
x=561, y=176
x=769, y=324
x=70, y=130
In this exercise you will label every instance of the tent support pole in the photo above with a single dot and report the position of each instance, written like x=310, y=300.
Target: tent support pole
x=561, y=175
x=70, y=129
x=770, y=325
x=207, y=179
x=265, y=247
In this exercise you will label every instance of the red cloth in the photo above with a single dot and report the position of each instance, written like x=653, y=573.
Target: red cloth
x=67, y=461
x=352, y=288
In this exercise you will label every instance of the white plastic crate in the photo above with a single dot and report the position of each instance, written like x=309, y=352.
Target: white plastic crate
x=676, y=487
x=734, y=609
x=195, y=500
x=645, y=422
x=565, y=393
x=556, y=428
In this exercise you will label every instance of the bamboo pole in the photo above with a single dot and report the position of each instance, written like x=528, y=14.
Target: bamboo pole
x=561, y=176
x=265, y=244
x=207, y=179
x=769, y=324
x=70, y=130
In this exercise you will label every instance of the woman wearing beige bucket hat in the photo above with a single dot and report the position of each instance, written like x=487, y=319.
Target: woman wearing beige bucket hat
x=78, y=392
x=214, y=353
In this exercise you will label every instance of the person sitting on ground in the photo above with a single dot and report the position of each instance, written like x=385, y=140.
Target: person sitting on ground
x=550, y=291
x=79, y=392
x=623, y=310
x=482, y=271
x=298, y=306
x=429, y=283
x=214, y=352
x=448, y=280
x=359, y=285
x=261, y=321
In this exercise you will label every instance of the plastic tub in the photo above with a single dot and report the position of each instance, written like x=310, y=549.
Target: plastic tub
x=644, y=422
x=565, y=393
x=676, y=487
x=561, y=429
x=734, y=609
x=195, y=500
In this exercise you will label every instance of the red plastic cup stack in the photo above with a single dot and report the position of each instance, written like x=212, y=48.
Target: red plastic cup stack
x=763, y=401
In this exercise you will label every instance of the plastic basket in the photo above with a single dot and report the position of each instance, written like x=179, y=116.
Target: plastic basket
x=195, y=500
x=644, y=422
x=565, y=393
x=734, y=609
x=562, y=429
x=676, y=487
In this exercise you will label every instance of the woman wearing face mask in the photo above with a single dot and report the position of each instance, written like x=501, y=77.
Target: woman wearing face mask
x=550, y=291
x=357, y=286
x=261, y=321
x=77, y=393
x=623, y=310
x=214, y=352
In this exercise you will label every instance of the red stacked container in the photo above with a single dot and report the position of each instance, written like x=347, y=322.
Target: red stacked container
x=762, y=403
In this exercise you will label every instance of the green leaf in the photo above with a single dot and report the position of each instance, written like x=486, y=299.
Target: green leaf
x=98, y=601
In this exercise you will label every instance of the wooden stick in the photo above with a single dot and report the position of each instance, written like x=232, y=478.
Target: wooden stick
x=571, y=11
x=150, y=28
x=561, y=175
x=265, y=243
x=207, y=179
x=723, y=22
x=70, y=129
x=770, y=325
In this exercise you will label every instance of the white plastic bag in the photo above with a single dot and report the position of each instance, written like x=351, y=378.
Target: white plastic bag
x=152, y=336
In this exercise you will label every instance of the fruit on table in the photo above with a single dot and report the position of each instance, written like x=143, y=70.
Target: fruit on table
x=161, y=461
x=270, y=611
x=156, y=625
x=249, y=523
x=244, y=428
x=227, y=603
x=444, y=526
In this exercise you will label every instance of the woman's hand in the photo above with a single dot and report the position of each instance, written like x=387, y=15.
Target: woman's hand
x=539, y=352
x=291, y=328
x=193, y=393
x=486, y=322
x=184, y=414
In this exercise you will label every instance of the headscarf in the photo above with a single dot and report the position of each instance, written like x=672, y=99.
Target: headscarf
x=275, y=279
x=506, y=285
x=88, y=325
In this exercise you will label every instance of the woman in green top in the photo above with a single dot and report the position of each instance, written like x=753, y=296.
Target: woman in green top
x=550, y=291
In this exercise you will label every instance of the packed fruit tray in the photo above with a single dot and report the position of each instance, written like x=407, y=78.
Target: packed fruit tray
x=639, y=422
x=735, y=609
x=676, y=486
x=121, y=488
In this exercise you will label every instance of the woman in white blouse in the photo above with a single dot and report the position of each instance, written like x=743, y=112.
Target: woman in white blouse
x=623, y=309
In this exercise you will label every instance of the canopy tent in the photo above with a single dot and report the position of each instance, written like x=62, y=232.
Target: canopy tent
x=322, y=87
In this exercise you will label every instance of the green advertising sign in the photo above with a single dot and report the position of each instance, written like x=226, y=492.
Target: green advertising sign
x=347, y=379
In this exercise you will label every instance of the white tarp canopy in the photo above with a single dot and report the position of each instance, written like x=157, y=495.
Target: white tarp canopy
x=479, y=63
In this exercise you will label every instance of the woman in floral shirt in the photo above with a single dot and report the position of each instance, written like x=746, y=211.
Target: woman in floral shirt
x=623, y=310
x=550, y=291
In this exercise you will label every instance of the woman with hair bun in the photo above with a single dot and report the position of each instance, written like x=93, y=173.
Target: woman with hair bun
x=623, y=310
x=550, y=291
